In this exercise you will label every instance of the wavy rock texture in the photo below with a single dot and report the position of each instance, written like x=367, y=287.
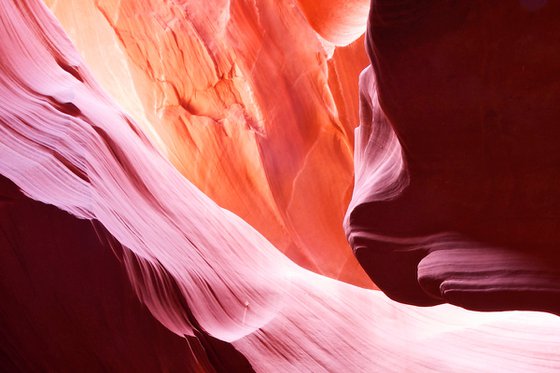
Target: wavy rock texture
x=338, y=21
x=203, y=273
x=456, y=197
x=224, y=89
x=68, y=304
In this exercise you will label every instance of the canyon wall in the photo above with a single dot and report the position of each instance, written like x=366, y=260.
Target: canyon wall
x=112, y=258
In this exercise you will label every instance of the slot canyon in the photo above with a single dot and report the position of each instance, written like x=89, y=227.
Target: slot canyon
x=279, y=186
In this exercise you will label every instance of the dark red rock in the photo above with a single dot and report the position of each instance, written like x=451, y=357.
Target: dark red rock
x=68, y=304
x=470, y=90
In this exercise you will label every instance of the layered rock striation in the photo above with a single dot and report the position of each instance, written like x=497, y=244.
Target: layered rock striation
x=457, y=163
x=112, y=260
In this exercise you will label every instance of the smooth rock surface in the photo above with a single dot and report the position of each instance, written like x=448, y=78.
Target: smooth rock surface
x=247, y=100
x=457, y=160
x=202, y=271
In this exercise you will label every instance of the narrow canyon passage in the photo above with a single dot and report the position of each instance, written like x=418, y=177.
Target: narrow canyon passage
x=222, y=186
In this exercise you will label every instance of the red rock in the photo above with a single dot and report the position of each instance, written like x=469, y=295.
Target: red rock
x=67, y=302
x=203, y=273
x=338, y=21
x=225, y=90
x=458, y=163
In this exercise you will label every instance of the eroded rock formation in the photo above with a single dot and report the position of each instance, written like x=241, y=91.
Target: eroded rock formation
x=224, y=293
x=457, y=159
x=225, y=89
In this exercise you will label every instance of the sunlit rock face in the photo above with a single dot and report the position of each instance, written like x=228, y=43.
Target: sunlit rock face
x=457, y=158
x=112, y=260
x=338, y=21
x=248, y=102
